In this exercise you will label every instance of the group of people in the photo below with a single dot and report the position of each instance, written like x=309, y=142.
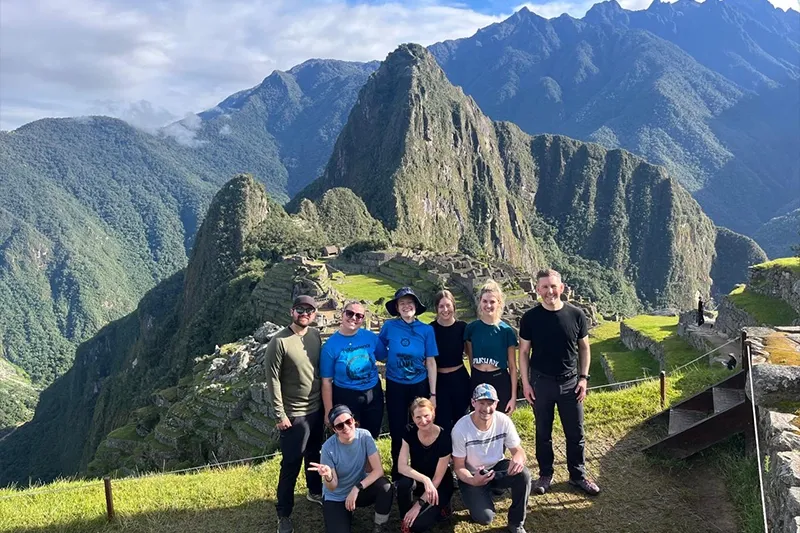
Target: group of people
x=462, y=433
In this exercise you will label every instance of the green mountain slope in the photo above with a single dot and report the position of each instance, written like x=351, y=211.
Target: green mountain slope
x=94, y=214
x=606, y=79
x=446, y=177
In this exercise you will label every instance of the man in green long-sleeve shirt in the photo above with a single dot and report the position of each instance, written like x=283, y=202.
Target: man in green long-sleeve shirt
x=292, y=363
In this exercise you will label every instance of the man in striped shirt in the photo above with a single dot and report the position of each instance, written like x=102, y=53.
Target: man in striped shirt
x=480, y=440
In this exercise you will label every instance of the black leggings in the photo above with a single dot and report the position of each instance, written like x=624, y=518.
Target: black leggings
x=452, y=398
x=367, y=406
x=339, y=520
x=500, y=379
x=399, y=397
x=407, y=489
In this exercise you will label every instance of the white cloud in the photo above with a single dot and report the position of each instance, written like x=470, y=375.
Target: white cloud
x=81, y=57
x=62, y=58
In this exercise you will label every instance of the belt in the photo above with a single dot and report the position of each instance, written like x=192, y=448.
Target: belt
x=557, y=379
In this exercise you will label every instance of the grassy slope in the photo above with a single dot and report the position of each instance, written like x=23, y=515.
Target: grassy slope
x=789, y=263
x=212, y=500
x=765, y=309
x=18, y=398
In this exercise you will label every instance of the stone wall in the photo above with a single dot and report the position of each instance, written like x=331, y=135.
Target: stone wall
x=778, y=282
x=634, y=340
x=731, y=319
x=780, y=442
x=776, y=393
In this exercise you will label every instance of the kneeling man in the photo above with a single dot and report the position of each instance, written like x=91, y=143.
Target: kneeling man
x=479, y=443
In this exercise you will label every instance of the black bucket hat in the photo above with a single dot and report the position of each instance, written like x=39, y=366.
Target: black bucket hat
x=391, y=305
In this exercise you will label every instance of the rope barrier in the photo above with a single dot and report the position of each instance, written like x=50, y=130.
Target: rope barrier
x=702, y=356
x=755, y=433
x=51, y=491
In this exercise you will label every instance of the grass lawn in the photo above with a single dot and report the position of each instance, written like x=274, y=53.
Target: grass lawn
x=639, y=494
x=372, y=287
x=765, y=309
x=631, y=365
x=788, y=263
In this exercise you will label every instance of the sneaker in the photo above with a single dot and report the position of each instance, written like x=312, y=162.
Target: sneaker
x=285, y=525
x=586, y=485
x=541, y=485
x=517, y=529
x=314, y=498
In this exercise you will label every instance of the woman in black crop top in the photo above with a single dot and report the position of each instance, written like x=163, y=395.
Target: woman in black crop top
x=452, y=377
x=425, y=483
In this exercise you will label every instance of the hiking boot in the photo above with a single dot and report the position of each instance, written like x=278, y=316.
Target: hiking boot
x=285, y=525
x=586, y=485
x=541, y=485
x=517, y=529
x=314, y=498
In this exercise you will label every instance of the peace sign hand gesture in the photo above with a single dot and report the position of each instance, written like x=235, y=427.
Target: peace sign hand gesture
x=324, y=470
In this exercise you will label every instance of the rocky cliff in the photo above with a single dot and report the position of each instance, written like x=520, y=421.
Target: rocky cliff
x=439, y=174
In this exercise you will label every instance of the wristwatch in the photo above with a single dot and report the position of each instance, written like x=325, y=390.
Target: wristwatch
x=584, y=376
x=359, y=486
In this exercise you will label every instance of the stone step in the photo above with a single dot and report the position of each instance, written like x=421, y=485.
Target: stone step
x=680, y=419
x=251, y=436
x=725, y=398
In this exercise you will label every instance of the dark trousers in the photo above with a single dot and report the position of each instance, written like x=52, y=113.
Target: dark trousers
x=302, y=441
x=398, y=399
x=479, y=502
x=551, y=392
x=408, y=490
x=452, y=398
x=367, y=406
x=339, y=520
x=500, y=379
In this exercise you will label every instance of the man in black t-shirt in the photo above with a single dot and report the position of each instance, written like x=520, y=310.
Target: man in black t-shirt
x=556, y=338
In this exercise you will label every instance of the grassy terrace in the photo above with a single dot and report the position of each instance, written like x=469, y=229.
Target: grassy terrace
x=788, y=263
x=372, y=287
x=765, y=309
x=639, y=494
x=664, y=330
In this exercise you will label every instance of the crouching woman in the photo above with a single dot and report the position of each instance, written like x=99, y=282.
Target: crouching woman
x=424, y=467
x=352, y=475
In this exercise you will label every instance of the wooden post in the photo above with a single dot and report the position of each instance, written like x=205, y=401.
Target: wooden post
x=109, y=498
x=745, y=352
x=663, y=379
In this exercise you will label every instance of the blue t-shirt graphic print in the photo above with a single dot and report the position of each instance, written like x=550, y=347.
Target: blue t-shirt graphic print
x=408, y=345
x=350, y=360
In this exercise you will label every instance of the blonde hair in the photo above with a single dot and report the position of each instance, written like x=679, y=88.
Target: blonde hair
x=493, y=288
x=441, y=295
x=421, y=402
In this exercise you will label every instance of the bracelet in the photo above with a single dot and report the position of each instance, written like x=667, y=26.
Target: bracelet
x=328, y=480
x=433, y=394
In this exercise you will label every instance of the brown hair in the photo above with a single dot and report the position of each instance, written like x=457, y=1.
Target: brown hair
x=492, y=287
x=353, y=302
x=546, y=273
x=421, y=402
x=441, y=295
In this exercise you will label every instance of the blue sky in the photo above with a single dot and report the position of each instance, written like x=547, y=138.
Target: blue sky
x=152, y=61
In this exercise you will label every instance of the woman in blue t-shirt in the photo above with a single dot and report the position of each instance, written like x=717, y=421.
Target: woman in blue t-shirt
x=491, y=347
x=410, y=363
x=348, y=370
x=352, y=474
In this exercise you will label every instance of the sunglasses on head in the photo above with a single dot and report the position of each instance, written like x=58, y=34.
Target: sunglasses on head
x=304, y=310
x=349, y=313
x=340, y=426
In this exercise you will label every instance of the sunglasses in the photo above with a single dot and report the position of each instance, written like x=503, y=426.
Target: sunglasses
x=304, y=310
x=349, y=313
x=340, y=426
